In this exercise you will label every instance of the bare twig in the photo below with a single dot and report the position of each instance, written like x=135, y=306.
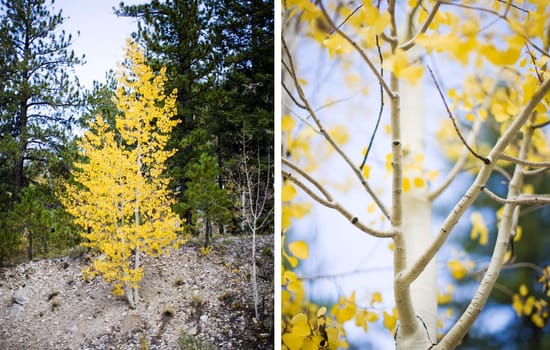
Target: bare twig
x=523, y=162
x=380, y=111
x=336, y=206
x=308, y=177
x=328, y=137
x=459, y=164
x=296, y=102
x=450, y=114
x=540, y=199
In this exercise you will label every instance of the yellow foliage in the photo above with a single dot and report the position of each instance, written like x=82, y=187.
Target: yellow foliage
x=479, y=229
x=457, y=268
x=390, y=320
x=287, y=123
x=531, y=307
x=123, y=204
x=299, y=249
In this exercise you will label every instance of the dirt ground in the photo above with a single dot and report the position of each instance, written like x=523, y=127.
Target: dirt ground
x=46, y=305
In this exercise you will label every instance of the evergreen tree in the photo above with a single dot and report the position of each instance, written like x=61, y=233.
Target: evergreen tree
x=219, y=56
x=36, y=88
x=209, y=203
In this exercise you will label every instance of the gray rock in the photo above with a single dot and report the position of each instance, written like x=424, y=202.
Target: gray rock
x=20, y=299
x=15, y=309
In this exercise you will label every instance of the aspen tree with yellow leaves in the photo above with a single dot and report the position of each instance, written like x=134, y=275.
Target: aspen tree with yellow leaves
x=364, y=83
x=119, y=197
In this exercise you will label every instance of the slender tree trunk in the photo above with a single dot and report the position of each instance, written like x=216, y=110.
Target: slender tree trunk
x=207, y=230
x=254, y=278
x=28, y=233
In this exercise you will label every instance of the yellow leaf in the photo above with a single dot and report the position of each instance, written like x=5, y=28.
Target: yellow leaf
x=390, y=321
x=299, y=249
x=339, y=134
x=371, y=208
x=300, y=325
x=322, y=311
x=419, y=182
x=376, y=298
x=537, y=320
x=287, y=123
x=292, y=341
x=478, y=228
x=457, y=269
x=337, y=45
x=288, y=192
x=366, y=171
x=523, y=290
x=412, y=73
x=406, y=184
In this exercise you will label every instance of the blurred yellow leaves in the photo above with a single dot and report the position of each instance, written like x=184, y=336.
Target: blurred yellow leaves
x=345, y=309
x=299, y=249
x=536, y=309
x=390, y=320
x=459, y=268
x=401, y=66
x=479, y=229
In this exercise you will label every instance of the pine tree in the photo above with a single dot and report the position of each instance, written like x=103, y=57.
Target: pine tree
x=210, y=204
x=35, y=88
x=120, y=198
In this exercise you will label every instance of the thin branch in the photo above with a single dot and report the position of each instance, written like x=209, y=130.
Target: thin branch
x=409, y=44
x=541, y=125
x=526, y=264
x=347, y=18
x=336, y=206
x=523, y=162
x=535, y=171
x=540, y=199
x=459, y=164
x=459, y=133
x=329, y=138
x=380, y=111
x=307, y=177
x=359, y=50
x=296, y=102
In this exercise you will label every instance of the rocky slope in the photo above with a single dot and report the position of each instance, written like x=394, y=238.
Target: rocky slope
x=206, y=299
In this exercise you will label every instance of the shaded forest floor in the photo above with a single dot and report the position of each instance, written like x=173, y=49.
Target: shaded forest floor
x=203, y=301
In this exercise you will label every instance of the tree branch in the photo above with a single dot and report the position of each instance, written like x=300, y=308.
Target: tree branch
x=541, y=199
x=477, y=186
x=336, y=206
x=459, y=164
x=450, y=114
x=506, y=228
x=524, y=162
x=329, y=138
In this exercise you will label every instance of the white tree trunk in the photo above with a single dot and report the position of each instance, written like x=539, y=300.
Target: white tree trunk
x=416, y=222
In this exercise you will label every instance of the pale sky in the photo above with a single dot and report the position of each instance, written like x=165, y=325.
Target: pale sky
x=102, y=34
